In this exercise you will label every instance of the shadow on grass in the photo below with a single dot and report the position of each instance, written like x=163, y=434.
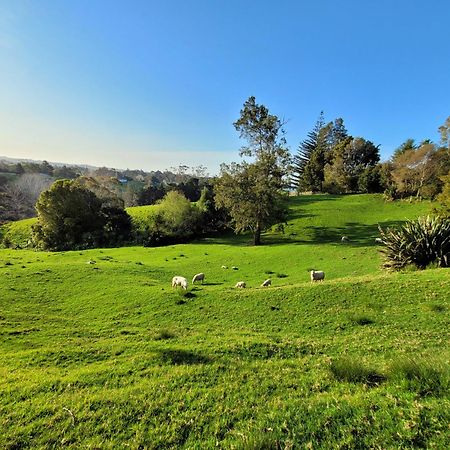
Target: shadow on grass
x=178, y=357
x=359, y=235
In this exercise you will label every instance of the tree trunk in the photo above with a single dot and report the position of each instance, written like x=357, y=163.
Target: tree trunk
x=257, y=235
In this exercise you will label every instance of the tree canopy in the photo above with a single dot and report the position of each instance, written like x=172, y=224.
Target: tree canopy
x=253, y=192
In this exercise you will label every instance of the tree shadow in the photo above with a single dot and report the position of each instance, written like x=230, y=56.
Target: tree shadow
x=359, y=235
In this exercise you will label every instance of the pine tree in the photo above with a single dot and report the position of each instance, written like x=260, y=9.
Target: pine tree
x=310, y=158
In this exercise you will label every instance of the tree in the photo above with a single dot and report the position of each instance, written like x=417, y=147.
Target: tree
x=409, y=144
x=417, y=171
x=350, y=160
x=71, y=216
x=309, y=161
x=444, y=131
x=20, y=196
x=252, y=193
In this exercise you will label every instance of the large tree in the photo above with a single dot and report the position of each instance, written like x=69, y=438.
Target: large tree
x=418, y=171
x=351, y=160
x=314, y=153
x=253, y=192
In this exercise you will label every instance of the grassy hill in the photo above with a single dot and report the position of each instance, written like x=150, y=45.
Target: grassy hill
x=108, y=355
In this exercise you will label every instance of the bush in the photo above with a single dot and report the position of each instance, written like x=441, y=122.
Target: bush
x=418, y=243
x=72, y=217
x=173, y=220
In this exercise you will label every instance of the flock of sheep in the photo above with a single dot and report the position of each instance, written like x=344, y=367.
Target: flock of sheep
x=316, y=275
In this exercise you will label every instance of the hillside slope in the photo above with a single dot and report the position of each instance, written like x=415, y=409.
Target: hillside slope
x=108, y=355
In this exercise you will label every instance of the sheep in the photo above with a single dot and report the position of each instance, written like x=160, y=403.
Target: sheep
x=240, y=284
x=224, y=267
x=267, y=283
x=235, y=268
x=317, y=275
x=179, y=281
x=379, y=240
x=344, y=239
x=198, y=277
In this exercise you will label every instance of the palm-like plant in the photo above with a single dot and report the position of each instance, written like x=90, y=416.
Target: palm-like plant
x=418, y=242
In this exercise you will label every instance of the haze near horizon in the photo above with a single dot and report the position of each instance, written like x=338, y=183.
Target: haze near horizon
x=151, y=85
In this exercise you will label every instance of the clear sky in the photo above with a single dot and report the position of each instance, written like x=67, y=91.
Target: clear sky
x=154, y=84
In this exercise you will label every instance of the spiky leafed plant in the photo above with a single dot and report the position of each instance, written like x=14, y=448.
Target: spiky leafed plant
x=418, y=242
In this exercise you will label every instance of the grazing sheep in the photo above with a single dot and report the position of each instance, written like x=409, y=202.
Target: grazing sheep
x=235, y=268
x=267, y=283
x=378, y=240
x=317, y=275
x=198, y=277
x=344, y=239
x=91, y=261
x=179, y=281
x=240, y=284
x=224, y=267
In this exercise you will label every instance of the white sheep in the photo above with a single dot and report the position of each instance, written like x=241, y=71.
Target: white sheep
x=317, y=275
x=344, y=239
x=224, y=267
x=235, y=268
x=267, y=283
x=179, y=281
x=198, y=277
x=240, y=284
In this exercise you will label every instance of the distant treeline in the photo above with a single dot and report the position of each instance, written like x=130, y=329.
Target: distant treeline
x=22, y=183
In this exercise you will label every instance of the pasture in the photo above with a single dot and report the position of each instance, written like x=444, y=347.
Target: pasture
x=108, y=355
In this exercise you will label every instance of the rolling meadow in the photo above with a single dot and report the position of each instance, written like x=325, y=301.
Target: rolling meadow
x=97, y=350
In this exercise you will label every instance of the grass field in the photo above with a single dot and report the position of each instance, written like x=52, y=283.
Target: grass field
x=108, y=355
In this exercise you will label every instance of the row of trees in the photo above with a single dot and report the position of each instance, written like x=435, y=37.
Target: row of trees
x=330, y=160
x=81, y=213
x=250, y=195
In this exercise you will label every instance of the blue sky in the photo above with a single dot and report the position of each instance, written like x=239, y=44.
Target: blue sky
x=154, y=84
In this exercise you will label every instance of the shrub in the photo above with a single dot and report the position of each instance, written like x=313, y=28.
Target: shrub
x=418, y=242
x=71, y=216
x=173, y=220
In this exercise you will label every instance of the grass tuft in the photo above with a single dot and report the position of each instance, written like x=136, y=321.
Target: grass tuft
x=352, y=371
x=182, y=357
x=361, y=319
x=164, y=334
x=437, y=308
x=426, y=377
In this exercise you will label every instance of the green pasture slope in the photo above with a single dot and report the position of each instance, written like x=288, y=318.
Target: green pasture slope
x=109, y=356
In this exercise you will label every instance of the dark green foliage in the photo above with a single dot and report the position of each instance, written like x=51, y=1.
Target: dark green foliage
x=253, y=193
x=70, y=217
x=116, y=225
x=309, y=161
x=150, y=195
x=370, y=180
x=349, y=166
x=351, y=370
x=418, y=243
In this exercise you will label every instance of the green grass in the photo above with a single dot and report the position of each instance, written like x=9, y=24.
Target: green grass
x=108, y=355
